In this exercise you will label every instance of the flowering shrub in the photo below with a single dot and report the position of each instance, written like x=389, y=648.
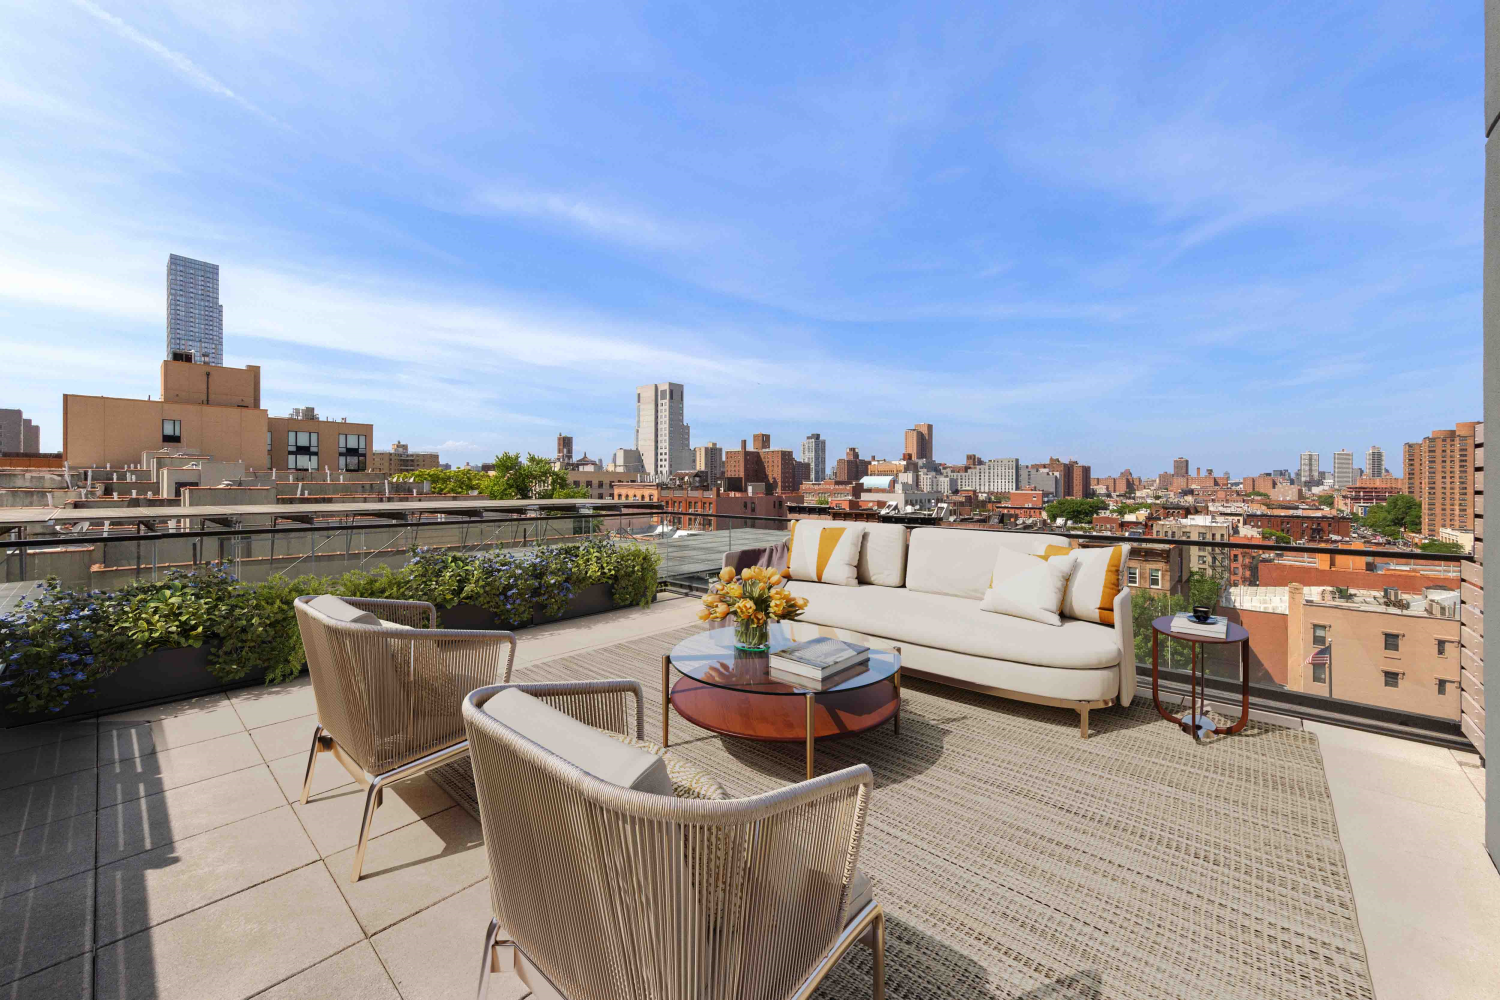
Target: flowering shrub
x=57, y=645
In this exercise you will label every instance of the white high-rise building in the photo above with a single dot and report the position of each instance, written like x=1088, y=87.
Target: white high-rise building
x=1343, y=469
x=1375, y=462
x=195, y=319
x=998, y=475
x=661, y=436
x=815, y=454
x=1308, y=473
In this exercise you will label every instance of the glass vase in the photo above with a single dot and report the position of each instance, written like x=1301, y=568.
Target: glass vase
x=749, y=635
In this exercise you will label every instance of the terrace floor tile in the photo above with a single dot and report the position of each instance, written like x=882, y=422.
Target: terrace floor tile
x=40, y=854
x=156, y=772
x=435, y=954
x=48, y=760
x=354, y=972
x=264, y=706
x=46, y=801
x=26, y=737
x=412, y=868
x=291, y=738
x=155, y=886
x=121, y=742
x=154, y=713
x=153, y=821
x=332, y=818
x=45, y=926
x=73, y=979
x=234, y=948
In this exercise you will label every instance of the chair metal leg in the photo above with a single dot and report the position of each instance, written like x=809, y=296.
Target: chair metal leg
x=312, y=760
x=372, y=802
x=877, y=950
x=487, y=959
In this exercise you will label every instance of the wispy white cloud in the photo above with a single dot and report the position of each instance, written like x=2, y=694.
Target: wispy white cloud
x=175, y=60
x=595, y=217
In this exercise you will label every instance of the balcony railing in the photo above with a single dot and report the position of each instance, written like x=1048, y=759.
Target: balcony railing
x=1358, y=655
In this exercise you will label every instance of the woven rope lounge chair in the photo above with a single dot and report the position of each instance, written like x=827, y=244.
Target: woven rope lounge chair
x=389, y=685
x=605, y=892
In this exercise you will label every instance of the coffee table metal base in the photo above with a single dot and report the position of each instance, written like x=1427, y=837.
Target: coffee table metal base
x=781, y=718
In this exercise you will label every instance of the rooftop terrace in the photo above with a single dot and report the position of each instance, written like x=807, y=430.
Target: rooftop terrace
x=164, y=853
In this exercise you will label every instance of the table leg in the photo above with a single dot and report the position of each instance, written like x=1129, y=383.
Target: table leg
x=1155, y=690
x=811, y=703
x=666, y=696
x=1244, y=688
x=897, y=678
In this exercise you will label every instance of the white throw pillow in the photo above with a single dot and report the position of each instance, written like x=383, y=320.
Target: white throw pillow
x=825, y=552
x=1027, y=587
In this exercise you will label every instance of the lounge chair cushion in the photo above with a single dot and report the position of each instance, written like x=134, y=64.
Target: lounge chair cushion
x=860, y=894
x=331, y=607
x=581, y=745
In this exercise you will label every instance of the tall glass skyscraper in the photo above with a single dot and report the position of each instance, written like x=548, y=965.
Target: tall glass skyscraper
x=195, y=320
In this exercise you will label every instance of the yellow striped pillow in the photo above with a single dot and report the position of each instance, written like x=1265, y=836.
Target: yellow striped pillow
x=825, y=552
x=1095, y=582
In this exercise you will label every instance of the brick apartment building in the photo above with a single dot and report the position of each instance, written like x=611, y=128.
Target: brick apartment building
x=851, y=468
x=685, y=500
x=1301, y=526
x=1125, y=482
x=1440, y=474
x=1258, y=484
x=1073, y=479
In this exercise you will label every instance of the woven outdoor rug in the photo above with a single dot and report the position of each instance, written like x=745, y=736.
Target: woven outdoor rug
x=1016, y=860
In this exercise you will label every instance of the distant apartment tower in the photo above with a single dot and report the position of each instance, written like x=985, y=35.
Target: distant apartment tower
x=851, y=468
x=402, y=459
x=1440, y=474
x=1343, y=470
x=815, y=454
x=971, y=460
x=1309, y=474
x=1375, y=462
x=195, y=319
x=1073, y=479
x=627, y=460
x=564, y=449
x=1179, y=466
x=17, y=433
x=709, y=459
x=760, y=442
x=998, y=475
x=918, y=442
x=661, y=435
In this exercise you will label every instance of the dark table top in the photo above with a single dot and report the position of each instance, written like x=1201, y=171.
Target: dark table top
x=1237, y=633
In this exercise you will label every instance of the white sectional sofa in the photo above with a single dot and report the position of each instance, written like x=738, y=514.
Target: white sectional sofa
x=921, y=589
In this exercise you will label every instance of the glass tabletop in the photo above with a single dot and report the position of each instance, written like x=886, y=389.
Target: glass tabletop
x=710, y=657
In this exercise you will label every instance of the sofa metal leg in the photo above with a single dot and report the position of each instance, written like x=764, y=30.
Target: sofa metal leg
x=1083, y=723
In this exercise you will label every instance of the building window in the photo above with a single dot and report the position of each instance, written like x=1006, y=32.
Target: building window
x=1155, y=577
x=302, y=450
x=171, y=430
x=1443, y=646
x=1320, y=673
x=1392, y=642
x=1392, y=678
x=1320, y=635
x=1443, y=686
x=352, y=452
x=1133, y=576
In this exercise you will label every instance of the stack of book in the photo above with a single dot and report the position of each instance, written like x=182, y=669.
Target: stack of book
x=818, y=663
x=1215, y=627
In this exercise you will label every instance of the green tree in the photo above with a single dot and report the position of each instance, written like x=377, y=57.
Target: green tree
x=1449, y=548
x=513, y=479
x=1272, y=535
x=821, y=500
x=1325, y=499
x=1076, y=509
x=1130, y=508
x=1401, y=512
x=1257, y=493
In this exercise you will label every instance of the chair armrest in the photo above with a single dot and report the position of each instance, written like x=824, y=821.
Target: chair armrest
x=1125, y=632
x=417, y=614
x=601, y=704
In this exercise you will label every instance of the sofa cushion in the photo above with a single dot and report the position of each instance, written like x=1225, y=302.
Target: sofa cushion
x=958, y=561
x=332, y=607
x=954, y=623
x=1028, y=587
x=581, y=745
x=1095, y=583
x=825, y=552
x=882, y=555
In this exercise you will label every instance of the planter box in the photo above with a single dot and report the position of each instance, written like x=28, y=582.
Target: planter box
x=159, y=677
x=590, y=600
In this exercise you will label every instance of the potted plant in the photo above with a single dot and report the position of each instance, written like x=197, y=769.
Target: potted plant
x=754, y=598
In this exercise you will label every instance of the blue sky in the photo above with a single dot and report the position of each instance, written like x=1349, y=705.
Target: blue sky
x=1116, y=232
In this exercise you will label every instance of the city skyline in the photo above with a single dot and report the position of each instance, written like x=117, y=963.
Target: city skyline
x=998, y=281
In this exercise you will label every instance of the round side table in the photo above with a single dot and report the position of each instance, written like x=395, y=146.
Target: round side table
x=1196, y=721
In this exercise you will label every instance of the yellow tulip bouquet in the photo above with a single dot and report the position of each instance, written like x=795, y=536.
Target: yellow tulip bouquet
x=754, y=598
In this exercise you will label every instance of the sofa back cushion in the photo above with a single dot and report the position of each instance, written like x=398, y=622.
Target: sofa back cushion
x=825, y=552
x=959, y=561
x=882, y=555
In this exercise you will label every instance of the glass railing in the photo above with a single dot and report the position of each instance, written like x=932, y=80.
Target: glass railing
x=1371, y=634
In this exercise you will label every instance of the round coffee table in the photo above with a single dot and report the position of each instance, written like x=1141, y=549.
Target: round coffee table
x=732, y=692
